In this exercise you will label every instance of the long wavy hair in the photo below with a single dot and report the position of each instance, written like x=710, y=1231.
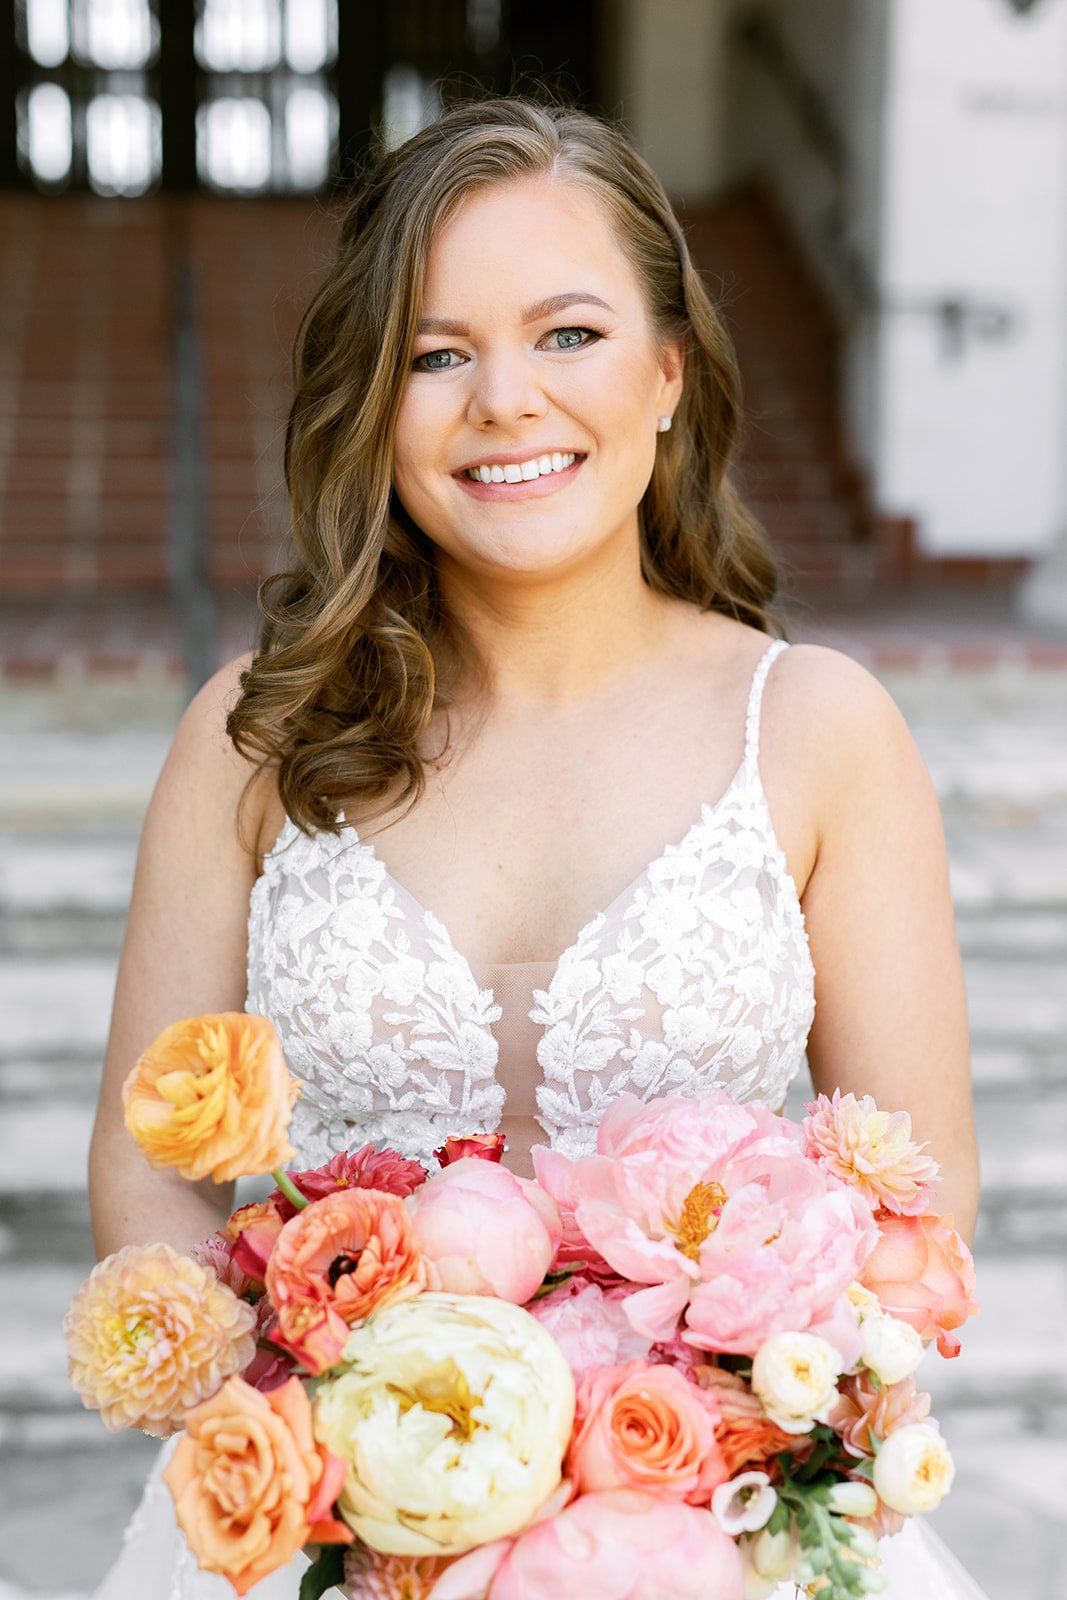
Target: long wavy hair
x=357, y=648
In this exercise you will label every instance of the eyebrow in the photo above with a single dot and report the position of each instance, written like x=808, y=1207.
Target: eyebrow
x=534, y=313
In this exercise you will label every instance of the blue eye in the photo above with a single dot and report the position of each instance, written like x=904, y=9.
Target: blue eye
x=572, y=338
x=434, y=361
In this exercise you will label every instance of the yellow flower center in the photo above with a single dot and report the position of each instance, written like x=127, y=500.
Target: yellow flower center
x=700, y=1216
x=445, y=1391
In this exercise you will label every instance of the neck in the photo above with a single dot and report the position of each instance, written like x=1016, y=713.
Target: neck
x=557, y=639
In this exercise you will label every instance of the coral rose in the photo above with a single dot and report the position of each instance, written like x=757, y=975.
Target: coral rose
x=640, y=1426
x=251, y=1487
x=618, y=1545
x=212, y=1097
x=336, y=1262
x=922, y=1272
x=366, y=1168
x=485, y=1231
x=151, y=1333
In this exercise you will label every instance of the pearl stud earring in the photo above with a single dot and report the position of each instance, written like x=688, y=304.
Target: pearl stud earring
x=664, y=424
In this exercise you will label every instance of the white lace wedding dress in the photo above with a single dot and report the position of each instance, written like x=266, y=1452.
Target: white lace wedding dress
x=698, y=973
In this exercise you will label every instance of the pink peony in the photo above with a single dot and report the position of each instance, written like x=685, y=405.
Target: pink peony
x=872, y=1150
x=481, y=1146
x=645, y=1427
x=923, y=1273
x=365, y=1168
x=590, y=1325
x=716, y=1206
x=484, y=1231
x=618, y=1545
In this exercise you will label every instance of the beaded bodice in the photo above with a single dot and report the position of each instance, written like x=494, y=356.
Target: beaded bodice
x=699, y=973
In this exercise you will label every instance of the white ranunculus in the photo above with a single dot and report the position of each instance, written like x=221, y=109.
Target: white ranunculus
x=453, y=1413
x=892, y=1349
x=795, y=1376
x=853, y=1499
x=913, y=1470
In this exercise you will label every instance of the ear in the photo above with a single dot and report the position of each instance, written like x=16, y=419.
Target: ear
x=672, y=367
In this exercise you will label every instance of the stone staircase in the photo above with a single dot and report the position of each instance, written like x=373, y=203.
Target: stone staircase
x=75, y=773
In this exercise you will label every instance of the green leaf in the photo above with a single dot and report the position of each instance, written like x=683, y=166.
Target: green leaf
x=324, y=1573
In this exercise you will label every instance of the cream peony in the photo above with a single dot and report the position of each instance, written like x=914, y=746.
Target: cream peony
x=913, y=1470
x=795, y=1375
x=453, y=1413
x=892, y=1349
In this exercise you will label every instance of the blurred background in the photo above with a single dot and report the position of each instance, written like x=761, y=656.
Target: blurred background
x=877, y=192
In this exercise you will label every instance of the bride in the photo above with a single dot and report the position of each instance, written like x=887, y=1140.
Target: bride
x=521, y=804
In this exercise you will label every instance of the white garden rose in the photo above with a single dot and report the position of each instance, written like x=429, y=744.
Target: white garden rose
x=795, y=1376
x=892, y=1349
x=453, y=1413
x=913, y=1470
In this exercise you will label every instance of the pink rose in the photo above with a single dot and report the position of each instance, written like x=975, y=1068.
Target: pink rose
x=590, y=1325
x=646, y=1427
x=922, y=1272
x=484, y=1231
x=617, y=1545
x=480, y=1146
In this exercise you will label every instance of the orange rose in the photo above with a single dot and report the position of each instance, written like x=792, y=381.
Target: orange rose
x=745, y=1434
x=640, y=1426
x=922, y=1272
x=213, y=1098
x=333, y=1264
x=250, y=1485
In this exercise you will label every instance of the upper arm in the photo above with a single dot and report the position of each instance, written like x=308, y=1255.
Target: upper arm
x=890, y=1014
x=184, y=950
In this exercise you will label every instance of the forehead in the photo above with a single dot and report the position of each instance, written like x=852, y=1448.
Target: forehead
x=520, y=241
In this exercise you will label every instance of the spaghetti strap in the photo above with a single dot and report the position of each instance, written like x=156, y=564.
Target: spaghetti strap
x=755, y=698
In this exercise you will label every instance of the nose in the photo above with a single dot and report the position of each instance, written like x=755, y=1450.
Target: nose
x=506, y=390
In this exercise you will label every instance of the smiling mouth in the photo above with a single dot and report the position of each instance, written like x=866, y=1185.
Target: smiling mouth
x=523, y=471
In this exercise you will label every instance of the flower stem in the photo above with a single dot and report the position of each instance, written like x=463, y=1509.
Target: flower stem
x=289, y=1189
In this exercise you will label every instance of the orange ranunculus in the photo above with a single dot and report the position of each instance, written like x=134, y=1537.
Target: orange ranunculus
x=922, y=1272
x=213, y=1098
x=333, y=1264
x=745, y=1434
x=151, y=1333
x=251, y=1487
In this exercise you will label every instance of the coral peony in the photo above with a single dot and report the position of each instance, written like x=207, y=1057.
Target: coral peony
x=151, y=1333
x=865, y=1414
x=715, y=1205
x=251, y=1487
x=453, y=1413
x=480, y=1146
x=640, y=1426
x=336, y=1262
x=212, y=1097
x=872, y=1150
x=484, y=1231
x=622, y=1545
x=365, y=1168
x=590, y=1325
x=922, y=1272
x=745, y=1434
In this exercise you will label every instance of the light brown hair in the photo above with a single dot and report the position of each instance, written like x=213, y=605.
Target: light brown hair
x=357, y=648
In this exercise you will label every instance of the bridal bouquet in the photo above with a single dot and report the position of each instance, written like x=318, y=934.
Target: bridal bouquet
x=681, y=1368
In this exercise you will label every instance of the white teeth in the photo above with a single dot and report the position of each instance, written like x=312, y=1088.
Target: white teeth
x=524, y=471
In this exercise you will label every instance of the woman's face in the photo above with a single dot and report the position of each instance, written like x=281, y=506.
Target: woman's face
x=535, y=362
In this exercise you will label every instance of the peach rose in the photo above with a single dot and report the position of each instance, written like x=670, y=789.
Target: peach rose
x=333, y=1264
x=645, y=1427
x=746, y=1436
x=212, y=1097
x=251, y=1487
x=922, y=1272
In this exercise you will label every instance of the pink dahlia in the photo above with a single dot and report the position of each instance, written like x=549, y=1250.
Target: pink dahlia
x=150, y=1334
x=865, y=1414
x=871, y=1150
x=371, y=1576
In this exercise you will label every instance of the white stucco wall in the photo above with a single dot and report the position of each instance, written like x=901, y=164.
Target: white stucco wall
x=975, y=204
